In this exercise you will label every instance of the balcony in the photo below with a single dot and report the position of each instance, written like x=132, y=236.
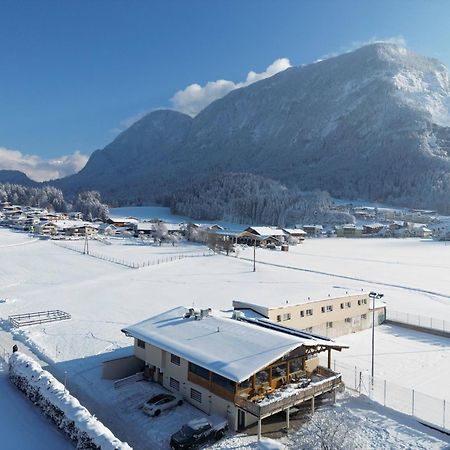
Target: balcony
x=321, y=381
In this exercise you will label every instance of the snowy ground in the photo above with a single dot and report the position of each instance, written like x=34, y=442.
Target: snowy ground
x=103, y=297
x=22, y=425
x=426, y=357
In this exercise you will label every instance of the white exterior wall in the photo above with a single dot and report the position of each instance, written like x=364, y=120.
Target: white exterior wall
x=210, y=403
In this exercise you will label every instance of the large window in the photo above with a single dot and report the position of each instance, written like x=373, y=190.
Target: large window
x=309, y=312
x=295, y=365
x=223, y=382
x=279, y=370
x=140, y=344
x=262, y=377
x=174, y=359
x=200, y=371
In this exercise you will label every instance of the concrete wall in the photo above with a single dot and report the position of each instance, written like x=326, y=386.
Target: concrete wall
x=121, y=367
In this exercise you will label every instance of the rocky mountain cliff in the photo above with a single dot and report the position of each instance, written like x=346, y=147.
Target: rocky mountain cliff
x=371, y=124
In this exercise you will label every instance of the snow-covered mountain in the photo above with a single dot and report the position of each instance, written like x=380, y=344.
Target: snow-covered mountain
x=373, y=123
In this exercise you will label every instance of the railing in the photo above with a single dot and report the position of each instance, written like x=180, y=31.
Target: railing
x=414, y=320
x=34, y=318
x=300, y=395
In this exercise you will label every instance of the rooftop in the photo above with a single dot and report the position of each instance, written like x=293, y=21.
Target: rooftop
x=302, y=299
x=229, y=347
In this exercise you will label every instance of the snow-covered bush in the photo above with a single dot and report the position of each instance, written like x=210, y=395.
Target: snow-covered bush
x=55, y=402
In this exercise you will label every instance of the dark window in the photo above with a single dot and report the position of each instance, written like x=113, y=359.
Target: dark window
x=200, y=371
x=174, y=359
x=140, y=344
x=342, y=306
x=247, y=383
x=302, y=313
x=262, y=377
x=279, y=318
x=279, y=371
x=175, y=384
x=323, y=309
x=196, y=395
x=295, y=365
x=223, y=382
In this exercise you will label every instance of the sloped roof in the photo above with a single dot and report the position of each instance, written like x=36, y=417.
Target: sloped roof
x=231, y=348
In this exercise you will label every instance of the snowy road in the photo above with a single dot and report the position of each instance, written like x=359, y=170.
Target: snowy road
x=22, y=425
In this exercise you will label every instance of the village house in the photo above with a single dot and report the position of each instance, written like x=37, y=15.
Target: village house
x=313, y=230
x=326, y=316
x=242, y=369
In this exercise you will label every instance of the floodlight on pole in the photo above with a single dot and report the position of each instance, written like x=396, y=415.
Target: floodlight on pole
x=373, y=296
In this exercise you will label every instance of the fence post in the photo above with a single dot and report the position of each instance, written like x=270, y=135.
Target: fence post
x=443, y=415
x=412, y=403
x=384, y=394
x=356, y=378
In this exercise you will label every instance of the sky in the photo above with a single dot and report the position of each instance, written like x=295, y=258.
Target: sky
x=75, y=74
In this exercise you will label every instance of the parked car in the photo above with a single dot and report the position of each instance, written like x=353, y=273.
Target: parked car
x=197, y=432
x=161, y=402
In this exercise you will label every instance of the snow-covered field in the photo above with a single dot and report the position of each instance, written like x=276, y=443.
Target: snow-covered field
x=103, y=298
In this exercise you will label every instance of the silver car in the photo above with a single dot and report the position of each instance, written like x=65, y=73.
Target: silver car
x=161, y=402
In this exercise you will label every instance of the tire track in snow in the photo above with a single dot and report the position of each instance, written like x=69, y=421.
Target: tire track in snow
x=347, y=277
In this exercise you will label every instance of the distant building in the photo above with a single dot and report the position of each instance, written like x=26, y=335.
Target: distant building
x=329, y=316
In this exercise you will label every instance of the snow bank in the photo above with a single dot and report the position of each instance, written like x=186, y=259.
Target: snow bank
x=66, y=411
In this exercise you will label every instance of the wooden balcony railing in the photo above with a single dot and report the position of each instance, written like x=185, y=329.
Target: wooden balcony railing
x=266, y=407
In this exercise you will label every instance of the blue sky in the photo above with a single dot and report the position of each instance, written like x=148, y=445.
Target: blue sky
x=72, y=73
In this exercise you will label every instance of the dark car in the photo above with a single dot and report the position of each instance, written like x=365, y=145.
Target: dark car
x=197, y=432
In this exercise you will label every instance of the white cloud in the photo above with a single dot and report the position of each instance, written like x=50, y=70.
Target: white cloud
x=194, y=98
x=40, y=169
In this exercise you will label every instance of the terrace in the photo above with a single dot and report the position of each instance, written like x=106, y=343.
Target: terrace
x=265, y=401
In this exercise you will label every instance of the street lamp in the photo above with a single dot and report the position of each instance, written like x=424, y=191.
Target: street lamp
x=373, y=296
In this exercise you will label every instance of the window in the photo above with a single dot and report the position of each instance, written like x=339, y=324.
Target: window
x=359, y=302
x=308, y=330
x=342, y=306
x=365, y=301
x=322, y=309
x=223, y=382
x=348, y=320
x=200, y=371
x=175, y=384
x=140, y=344
x=348, y=304
x=364, y=316
x=329, y=324
x=196, y=395
x=279, y=370
x=302, y=313
x=309, y=312
x=262, y=377
x=295, y=365
x=279, y=318
x=174, y=359
x=287, y=316
x=329, y=308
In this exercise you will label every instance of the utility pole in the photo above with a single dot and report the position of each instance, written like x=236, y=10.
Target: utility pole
x=254, y=256
x=86, y=243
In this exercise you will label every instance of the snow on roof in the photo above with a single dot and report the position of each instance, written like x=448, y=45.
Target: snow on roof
x=146, y=226
x=294, y=231
x=231, y=348
x=267, y=231
x=303, y=299
x=68, y=224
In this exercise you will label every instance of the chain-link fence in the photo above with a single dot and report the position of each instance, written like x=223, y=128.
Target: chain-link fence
x=426, y=408
x=419, y=321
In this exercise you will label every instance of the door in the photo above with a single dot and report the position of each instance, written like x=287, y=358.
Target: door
x=241, y=419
